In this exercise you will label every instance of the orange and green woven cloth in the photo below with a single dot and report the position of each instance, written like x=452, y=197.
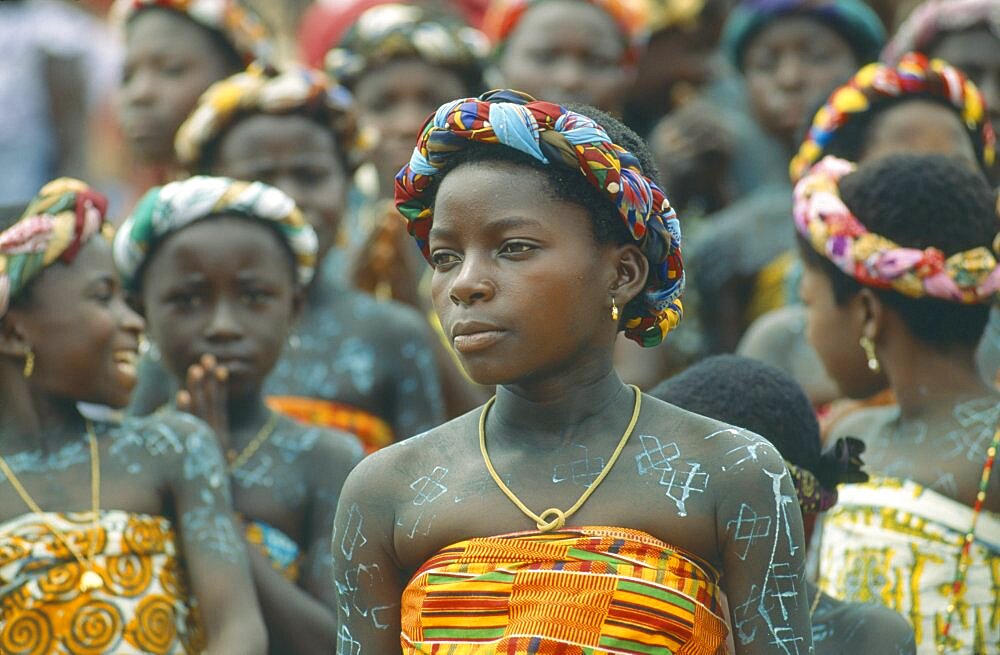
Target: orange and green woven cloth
x=579, y=591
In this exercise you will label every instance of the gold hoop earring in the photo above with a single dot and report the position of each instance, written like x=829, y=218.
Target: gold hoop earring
x=29, y=363
x=869, y=347
x=614, y=309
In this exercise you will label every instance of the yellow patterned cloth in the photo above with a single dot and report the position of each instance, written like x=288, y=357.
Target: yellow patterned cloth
x=143, y=606
x=575, y=591
x=279, y=549
x=893, y=542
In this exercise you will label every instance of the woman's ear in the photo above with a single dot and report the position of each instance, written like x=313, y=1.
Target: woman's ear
x=869, y=313
x=631, y=271
x=12, y=341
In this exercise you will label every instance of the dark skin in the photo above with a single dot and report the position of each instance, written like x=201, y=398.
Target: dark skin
x=85, y=338
x=567, y=52
x=220, y=298
x=162, y=81
x=507, y=253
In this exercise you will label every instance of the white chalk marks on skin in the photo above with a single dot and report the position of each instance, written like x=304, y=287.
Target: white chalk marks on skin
x=428, y=488
x=978, y=420
x=353, y=537
x=581, y=472
x=353, y=584
x=681, y=478
x=206, y=528
x=748, y=527
x=346, y=645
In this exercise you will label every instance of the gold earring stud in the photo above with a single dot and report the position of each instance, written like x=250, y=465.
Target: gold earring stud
x=29, y=363
x=614, y=309
x=869, y=347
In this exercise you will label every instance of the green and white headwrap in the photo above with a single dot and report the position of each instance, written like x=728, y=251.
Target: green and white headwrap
x=164, y=210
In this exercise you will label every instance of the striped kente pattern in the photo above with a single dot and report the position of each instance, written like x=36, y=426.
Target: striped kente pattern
x=580, y=591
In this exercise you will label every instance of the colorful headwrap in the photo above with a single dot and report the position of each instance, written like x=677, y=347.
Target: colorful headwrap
x=261, y=90
x=242, y=28
x=557, y=136
x=631, y=17
x=396, y=31
x=666, y=14
x=164, y=210
x=822, y=218
x=854, y=20
x=916, y=75
x=840, y=464
x=64, y=215
x=936, y=18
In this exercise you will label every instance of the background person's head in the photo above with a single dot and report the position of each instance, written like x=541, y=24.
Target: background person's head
x=175, y=50
x=791, y=52
x=918, y=212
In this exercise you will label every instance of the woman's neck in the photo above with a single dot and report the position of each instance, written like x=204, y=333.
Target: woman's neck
x=31, y=420
x=926, y=380
x=246, y=415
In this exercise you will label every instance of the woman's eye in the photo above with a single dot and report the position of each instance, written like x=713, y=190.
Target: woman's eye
x=443, y=258
x=185, y=300
x=255, y=296
x=517, y=247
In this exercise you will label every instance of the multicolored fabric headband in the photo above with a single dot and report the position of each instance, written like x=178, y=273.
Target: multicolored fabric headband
x=838, y=465
x=395, y=31
x=64, y=215
x=242, y=28
x=915, y=75
x=935, y=18
x=557, y=136
x=631, y=17
x=822, y=218
x=261, y=90
x=164, y=210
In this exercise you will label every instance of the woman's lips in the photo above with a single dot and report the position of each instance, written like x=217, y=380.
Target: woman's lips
x=126, y=364
x=476, y=341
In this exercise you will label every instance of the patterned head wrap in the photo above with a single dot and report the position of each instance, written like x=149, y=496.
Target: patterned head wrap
x=854, y=20
x=822, y=218
x=631, y=17
x=395, y=31
x=557, y=136
x=916, y=75
x=64, y=215
x=261, y=90
x=936, y=18
x=164, y=210
x=243, y=29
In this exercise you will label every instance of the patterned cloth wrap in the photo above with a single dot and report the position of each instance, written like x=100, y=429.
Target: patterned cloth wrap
x=396, y=31
x=260, y=90
x=589, y=590
x=64, y=215
x=852, y=19
x=238, y=25
x=822, y=218
x=164, y=210
x=894, y=542
x=373, y=431
x=841, y=462
x=557, y=136
x=279, y=549
x=143, y=606
x=630, y=16
x=936, y=18
x=875, y=84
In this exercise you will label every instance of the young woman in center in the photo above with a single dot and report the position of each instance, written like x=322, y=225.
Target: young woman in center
x=547, y=237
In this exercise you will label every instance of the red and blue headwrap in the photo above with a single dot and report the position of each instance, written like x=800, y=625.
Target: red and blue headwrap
x=557, y=136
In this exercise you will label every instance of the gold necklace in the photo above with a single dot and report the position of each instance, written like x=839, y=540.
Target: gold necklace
x=555, y=518
x=815, y=603
x=237, y=461
x=90, y=579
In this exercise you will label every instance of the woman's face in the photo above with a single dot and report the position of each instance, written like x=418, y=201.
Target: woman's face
x=520, y=284
x=295, y=154
x=84, y=336
x=789, y=65
x=394, y=100
x=222, y=286
x=565, y=51
x=169, y=62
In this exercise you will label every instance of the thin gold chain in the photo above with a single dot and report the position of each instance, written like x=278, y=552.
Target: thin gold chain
x=95, y=500
x=555, y=518
x=262, y=435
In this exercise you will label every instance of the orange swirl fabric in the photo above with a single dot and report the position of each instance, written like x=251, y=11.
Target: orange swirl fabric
x=576, y=591
x=143, y=607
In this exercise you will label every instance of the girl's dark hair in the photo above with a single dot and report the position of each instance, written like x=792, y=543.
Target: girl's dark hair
x=231, y=58
x=919, y=201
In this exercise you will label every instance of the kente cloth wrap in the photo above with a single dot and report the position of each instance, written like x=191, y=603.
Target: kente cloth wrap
x=260, y=90
x=64, y=215
x=248, y=35
x=878, y=84
x=164, y=210
x=398, y=31
x=854, y=20
x=630, y=16
x=279, y=549
x=931, y=20
x=557, y=136
x=896, y=543
x=373, y=431
x=143, y=607
x=586, y=591
x=822, y=218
